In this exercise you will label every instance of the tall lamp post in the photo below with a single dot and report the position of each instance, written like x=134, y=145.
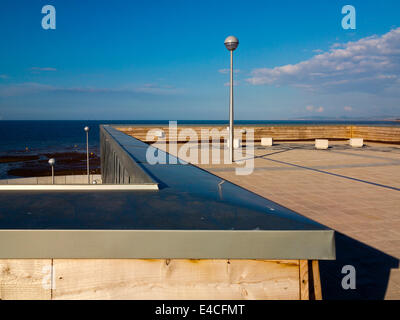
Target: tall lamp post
x=231, y=43
x=52, y=162
x=87, y=152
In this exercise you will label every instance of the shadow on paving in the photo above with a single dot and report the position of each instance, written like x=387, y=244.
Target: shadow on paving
x=372, y=271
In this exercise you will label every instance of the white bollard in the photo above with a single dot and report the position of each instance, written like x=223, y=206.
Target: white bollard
x=160, y=134
x=236, y=143
x=267, y=142
x=356, y=142
x=321, y=144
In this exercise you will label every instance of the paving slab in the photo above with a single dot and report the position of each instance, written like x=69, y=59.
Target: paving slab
x=354, y=191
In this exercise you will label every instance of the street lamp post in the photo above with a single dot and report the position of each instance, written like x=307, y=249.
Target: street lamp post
x=87, y=153
x=231, y=43
x=52, y=162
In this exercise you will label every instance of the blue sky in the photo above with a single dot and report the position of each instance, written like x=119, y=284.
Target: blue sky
x=166, y=60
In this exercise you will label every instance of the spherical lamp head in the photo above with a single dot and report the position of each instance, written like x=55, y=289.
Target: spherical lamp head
x=86, y=129
x=52, y=161
x=231, y=43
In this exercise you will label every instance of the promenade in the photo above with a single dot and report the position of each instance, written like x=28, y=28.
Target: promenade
x=353, y=191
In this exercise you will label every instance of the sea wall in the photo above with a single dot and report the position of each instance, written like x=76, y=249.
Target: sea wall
x=278, y=133
x=69, y=179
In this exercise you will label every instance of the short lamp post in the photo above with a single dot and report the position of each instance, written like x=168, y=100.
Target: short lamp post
x=87, y=152
x=52, y=162
x=231, y=43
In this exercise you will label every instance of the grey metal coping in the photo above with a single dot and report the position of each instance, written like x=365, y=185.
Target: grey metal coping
x=78, y=187
x=193, y=215
x=112, y=151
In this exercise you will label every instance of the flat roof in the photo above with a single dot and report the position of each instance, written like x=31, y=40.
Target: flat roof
x=194, y=214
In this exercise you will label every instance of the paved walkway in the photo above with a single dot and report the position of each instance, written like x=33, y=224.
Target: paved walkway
x=354, y=191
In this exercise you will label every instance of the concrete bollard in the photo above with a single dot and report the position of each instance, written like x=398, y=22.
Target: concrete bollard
x=321, y=144
x=160, y=134
x=236, y=143
x=267, y=142
x=356, y=142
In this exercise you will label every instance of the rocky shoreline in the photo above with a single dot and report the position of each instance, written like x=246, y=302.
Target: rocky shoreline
x=36, y=165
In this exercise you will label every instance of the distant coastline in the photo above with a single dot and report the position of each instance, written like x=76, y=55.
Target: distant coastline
x=27, y=143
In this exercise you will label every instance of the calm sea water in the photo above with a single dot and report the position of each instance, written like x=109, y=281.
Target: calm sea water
x=55, y=136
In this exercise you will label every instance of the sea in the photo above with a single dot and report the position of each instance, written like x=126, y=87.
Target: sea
x=35, y=137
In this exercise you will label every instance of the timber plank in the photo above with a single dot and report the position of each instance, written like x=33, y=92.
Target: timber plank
x=22, y=279
x=304, y=285
x=175, y=279
x=316, y=280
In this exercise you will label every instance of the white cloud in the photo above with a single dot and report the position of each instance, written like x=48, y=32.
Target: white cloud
x=151, y=88
x=348, y=108
x=370, y=65
x=23, y=89
x=235, y=83
x=29, y=88
x=226, y=71
x=43, y=69
x=315, y=109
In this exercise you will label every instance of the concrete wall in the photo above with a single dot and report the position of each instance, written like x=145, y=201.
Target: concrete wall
x=72, y=179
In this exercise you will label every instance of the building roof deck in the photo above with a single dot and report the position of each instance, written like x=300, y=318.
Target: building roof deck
x=194, y=214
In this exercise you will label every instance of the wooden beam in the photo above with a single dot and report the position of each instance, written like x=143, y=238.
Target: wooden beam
x=304, y=286
x=149, y=279
x=175, y=279
x=316, y=280
x=26, y=279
